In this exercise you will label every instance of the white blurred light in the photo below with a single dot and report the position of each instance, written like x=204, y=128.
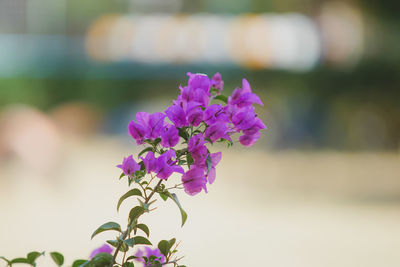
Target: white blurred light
x=214, y=41
x=296, y=43
x=342, y=33
x=148, y=31
x=121, y=36
x=289, y=41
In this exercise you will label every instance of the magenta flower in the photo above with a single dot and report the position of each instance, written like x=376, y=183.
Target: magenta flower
x=163, y=166
x=143, y=118
x=194, y=114
x=170, y=137
x=199, y=81
x=197, y=90
x=129, y=166
x=244, y=118
x=217, y=82
x=249, y=140
x=244, y=97
x=214, y=113
x=190, y=94
x=217, y=131
x=137, y=131
x=199, y=155
x=103, y=249
x=156, y=125
x=215, y=159
x=190, y=114
x=177, y=116
x=197, y=149
x=257, y=126
x=148, y=126
x=147, y=252
x=150, y=162
x=195, y=142
x=194, y=180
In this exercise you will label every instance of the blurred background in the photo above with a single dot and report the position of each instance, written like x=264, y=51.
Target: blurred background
x=320, y=188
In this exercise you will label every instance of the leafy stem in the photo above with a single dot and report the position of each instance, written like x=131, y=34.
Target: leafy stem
x=130, y=226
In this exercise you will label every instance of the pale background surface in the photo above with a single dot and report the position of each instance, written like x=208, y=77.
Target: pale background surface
x=317, y=190
x=265, y=208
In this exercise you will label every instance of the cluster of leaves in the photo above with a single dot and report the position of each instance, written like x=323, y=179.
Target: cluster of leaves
x=31, y=258
x=129, y=238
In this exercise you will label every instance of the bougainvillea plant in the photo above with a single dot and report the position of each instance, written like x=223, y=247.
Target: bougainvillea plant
x=175, y=141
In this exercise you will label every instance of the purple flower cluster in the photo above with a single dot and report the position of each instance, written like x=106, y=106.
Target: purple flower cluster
x=148, y=252
x=163, y=166
x=203, y=167
x=207, y=122
x=103, y=249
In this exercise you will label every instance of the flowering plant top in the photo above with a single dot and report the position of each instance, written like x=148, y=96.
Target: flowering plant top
x=176, y=141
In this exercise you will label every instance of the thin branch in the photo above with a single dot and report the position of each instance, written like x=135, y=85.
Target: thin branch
x=175, y=186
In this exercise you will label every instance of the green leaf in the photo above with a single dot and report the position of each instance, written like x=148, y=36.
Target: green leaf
x=137, y=240
x=116, y=243
x=163, y=196
x=145, y=206
x=144, y=228
x=136, y=212
x=106, y=227
x=32, y=256
x=128, y=264
x=100, y=260
x=20, y=260
x=182, y=133
x=147, y=149
x=172, y=241
x=124, y=247
x=228, y=142
x=133, y=192
x=57, y=257
x=174, y=197
x=139, y=175
x=131, y=258
x=189, y=159
x=122, y=175
x=152, y=257
x=140, y=240
x=209, y=163
x=181, y=162
x=130, y=242
x=156, y=141
x=113, y=243
x=78, y=263
x=221, y=98
x=164, y=246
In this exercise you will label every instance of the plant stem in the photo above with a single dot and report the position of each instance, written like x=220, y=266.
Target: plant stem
x=125, y=234
x=175, y=186
x=154, y=190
